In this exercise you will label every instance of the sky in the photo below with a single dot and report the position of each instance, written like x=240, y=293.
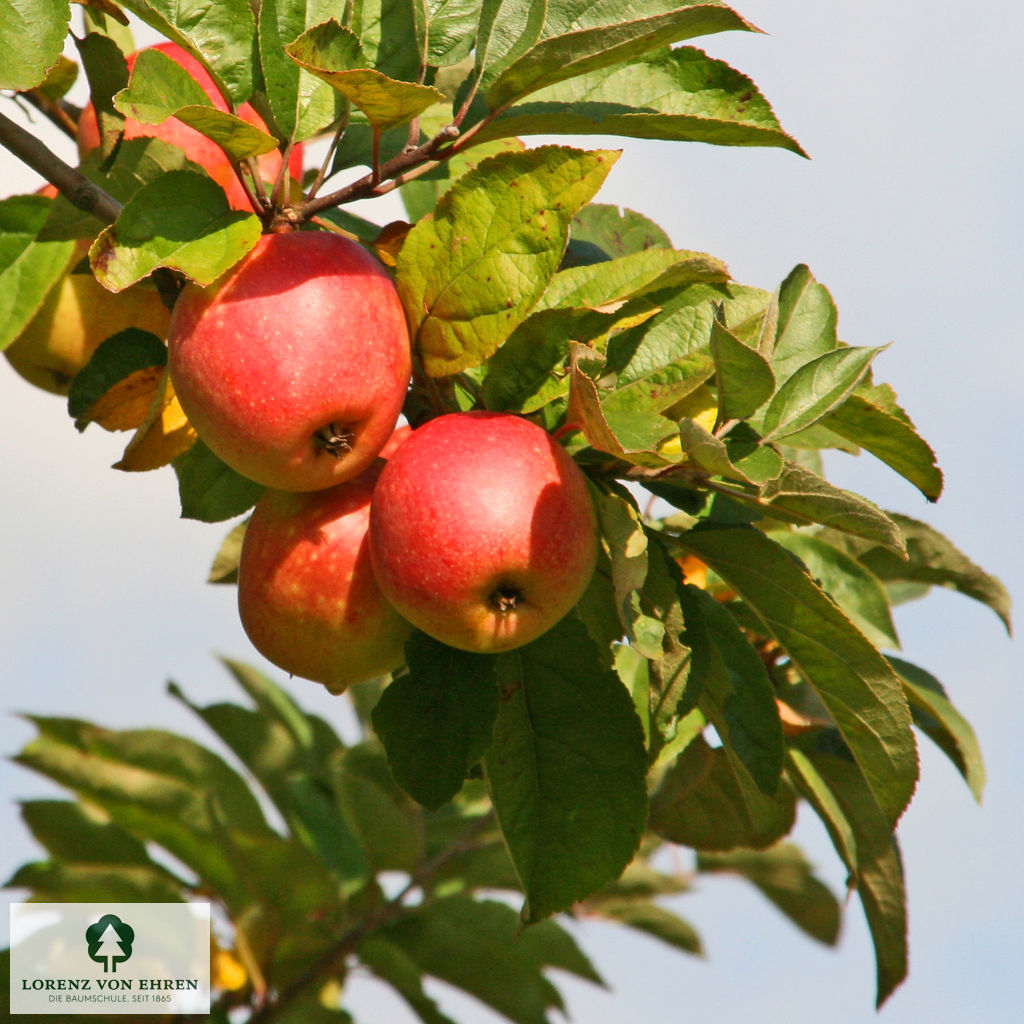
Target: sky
x=909, y=210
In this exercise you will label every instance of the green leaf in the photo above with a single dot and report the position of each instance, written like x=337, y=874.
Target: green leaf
x=29, y=268
x=784, y=876
x=859, y=688
x=181, y=221
x=436, y=720
x=389, y=962
x=934, y=560
x=707, y=801
x=617, y=232
x=334, y=55
x=677, y=95
x=302, y=104
x=121, y=355
x=566, y=770
x=469, y=275
x=829, y=780
x=478, y=947
x=806, y=325
x=156, y=785
x=33, y=32
x=871, y=419
x=210, y=490
x=737, y=697
x=815, y=389
x=804, y=497
x=136, y=163
x=935, y=715
x=743, y=376
x=629, y=277
x=223, y=34
x=559, y=57
x=652, y=919
x=160, y=88
x=847, y=582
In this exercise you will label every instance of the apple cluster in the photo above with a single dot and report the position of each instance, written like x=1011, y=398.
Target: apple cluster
x=477, y=527
x=293, y=368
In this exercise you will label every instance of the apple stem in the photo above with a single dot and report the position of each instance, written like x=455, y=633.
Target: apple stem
x=335, y=440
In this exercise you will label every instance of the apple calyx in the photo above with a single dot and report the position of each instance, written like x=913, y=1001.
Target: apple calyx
x=506, y=597
x=335, y=440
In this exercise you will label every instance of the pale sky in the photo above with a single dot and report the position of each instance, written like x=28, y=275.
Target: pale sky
x=910, y=212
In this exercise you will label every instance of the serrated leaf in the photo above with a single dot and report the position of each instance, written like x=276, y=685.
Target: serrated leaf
x=29, y=268
x=934, y=560
x=743, y=377
x=806, y=325
x=705, y=800
x=737, y=697
x=886, y=432
x=859, y=688
x=675, y=95
x=476, y=946
x=784, y=876
x=117, y=385
x=559, y=57
x=210, y=490
x=804, y=496
x=469, y=275
x=936, y=716
x=815, y=389
x=828, y=779
x=302, y=104
x=33, y=32
x=334, y=55
x=629, y=276
x=617, y=232
x=223, y=34
x=436, y=720
x=181, y=221
x=566, y=771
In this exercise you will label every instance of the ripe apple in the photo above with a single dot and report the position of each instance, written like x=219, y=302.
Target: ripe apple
x=77, y=315
x=307, y=596
x=482, y=531
x=294, y=365
x=197, y=146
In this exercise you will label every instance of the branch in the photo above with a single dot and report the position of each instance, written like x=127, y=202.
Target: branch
x=83, y=193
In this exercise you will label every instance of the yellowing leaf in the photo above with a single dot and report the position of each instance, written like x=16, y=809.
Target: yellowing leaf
x=164, y=435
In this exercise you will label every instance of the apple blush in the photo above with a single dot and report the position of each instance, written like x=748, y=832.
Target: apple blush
x=294, y=365
x=482, y=531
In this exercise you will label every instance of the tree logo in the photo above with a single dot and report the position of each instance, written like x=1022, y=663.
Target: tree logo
x=110, y=942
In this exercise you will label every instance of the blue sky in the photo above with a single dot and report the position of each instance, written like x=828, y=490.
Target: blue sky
x=910, y=212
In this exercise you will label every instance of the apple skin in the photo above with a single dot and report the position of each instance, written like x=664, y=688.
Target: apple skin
x=197, y=146
x=77, y=315
x=305, y=338
x=482, y=531
x=307, y=596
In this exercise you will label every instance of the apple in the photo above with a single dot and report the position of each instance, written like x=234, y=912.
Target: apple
x=293, y=366
x=307, y=596
x=482, y=530
x=197, y=147
x=78, y=314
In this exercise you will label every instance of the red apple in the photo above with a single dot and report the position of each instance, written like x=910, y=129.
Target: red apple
x=307, y=595
x=197, y=146
x=482, y=531
x=294, y=365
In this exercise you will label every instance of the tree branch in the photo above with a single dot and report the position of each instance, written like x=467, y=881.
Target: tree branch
x=83, y=193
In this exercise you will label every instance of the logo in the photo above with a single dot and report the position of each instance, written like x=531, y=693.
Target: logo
x=110, y=941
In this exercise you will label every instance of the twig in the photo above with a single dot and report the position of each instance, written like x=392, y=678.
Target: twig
x=82, y=192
